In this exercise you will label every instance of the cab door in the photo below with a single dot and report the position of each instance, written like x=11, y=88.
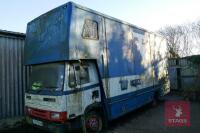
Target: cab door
x=74, y=97
x=83, y=87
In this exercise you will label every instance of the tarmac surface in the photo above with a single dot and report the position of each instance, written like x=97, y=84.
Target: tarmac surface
x=148, y=119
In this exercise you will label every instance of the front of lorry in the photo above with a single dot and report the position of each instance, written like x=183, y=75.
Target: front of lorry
x=44, y=103
x=46, y=55
x=62, y=89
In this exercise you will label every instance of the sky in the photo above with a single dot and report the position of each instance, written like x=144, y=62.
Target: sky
x=148, y=14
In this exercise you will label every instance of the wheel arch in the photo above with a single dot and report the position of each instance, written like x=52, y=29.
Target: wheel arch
x=96, y=107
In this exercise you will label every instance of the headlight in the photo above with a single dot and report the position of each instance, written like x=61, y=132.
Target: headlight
x=58, y=116
x=55, y=115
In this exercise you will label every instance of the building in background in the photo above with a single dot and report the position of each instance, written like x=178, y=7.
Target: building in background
x=12, y=74
x=184, y=73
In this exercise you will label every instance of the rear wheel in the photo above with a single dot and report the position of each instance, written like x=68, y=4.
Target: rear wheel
x=93, y=122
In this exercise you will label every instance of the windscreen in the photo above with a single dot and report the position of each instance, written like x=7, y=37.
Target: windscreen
x=47, y=76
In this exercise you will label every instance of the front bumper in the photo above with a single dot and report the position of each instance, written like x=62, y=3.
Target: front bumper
x=49, y=126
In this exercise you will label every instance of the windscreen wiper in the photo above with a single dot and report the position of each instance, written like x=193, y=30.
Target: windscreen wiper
x=52, y=88
x=38, y=91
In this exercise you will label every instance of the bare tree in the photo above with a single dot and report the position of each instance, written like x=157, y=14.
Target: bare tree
x=186, y=40
x=196, y=34
x=183, y=39
x=173, y=37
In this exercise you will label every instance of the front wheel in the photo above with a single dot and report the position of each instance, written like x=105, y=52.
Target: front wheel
x=93, y=122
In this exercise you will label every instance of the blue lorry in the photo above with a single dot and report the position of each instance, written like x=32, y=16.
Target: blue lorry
x=87, y=69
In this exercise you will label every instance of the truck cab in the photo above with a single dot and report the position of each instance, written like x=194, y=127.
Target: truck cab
x=62, y=91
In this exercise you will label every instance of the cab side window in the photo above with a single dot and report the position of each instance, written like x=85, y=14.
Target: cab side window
x=82, y=74
x=78, y=75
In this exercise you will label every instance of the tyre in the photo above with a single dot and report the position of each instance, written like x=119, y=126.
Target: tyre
x=93, y=122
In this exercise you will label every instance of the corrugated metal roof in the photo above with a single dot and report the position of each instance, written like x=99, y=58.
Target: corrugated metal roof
x=12, y=34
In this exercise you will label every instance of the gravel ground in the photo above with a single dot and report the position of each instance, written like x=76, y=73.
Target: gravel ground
x=148, y=119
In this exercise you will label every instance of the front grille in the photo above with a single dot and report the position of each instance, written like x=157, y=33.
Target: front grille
x=40, y=113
